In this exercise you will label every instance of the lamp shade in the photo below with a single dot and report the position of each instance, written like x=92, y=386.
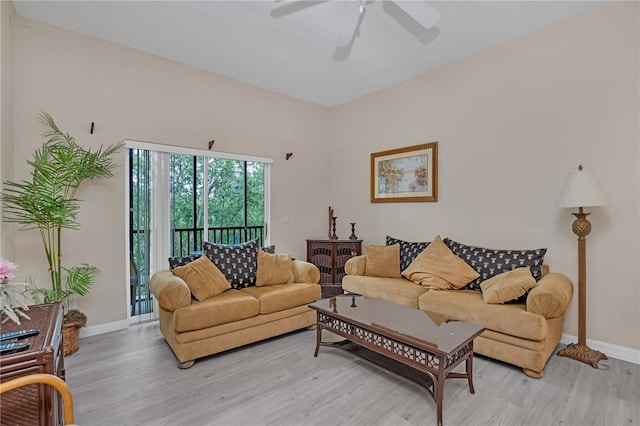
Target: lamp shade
x=582, y=189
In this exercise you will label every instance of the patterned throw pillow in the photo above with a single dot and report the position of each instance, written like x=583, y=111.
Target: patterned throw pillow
x=238, y=263
x=408, y=251
x=174, y=262
x=491, y=262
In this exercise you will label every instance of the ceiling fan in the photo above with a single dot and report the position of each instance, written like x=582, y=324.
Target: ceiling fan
x=419, y=10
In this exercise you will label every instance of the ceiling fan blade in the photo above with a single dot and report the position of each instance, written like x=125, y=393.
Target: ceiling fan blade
x=284, y=8
x=420, y=11
x=349, y=23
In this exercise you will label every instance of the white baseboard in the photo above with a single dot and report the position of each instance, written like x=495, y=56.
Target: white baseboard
x=94, y=330
x=609, y=349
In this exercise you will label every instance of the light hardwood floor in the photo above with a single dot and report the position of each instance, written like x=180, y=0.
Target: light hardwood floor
x=130, y=377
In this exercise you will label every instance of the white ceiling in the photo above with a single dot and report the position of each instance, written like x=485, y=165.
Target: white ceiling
x=289, y=46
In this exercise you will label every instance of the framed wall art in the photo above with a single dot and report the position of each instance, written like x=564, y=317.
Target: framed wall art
x=405, y=174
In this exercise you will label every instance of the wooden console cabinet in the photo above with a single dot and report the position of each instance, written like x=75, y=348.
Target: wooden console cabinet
x=330, y=256
x=38, y=404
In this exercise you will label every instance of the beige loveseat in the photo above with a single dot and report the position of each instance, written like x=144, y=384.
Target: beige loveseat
x=524, y=334
x=234, y=317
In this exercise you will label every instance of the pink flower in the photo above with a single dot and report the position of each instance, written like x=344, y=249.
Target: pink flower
x=7, y=270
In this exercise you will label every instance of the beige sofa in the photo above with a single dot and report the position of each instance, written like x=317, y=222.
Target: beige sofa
x=235, y=317
x=522, y=334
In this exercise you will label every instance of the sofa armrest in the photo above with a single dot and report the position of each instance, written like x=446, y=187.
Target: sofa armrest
x=170, y=291
x=357, y=265
x=305, y=272
x=551, y=296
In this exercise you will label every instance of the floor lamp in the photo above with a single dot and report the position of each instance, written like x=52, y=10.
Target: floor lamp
x=582, y=189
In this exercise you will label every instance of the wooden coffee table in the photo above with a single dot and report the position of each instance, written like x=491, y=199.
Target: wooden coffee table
x=413, y=337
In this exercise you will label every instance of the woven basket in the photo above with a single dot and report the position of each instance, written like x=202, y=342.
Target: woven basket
x=70, y=332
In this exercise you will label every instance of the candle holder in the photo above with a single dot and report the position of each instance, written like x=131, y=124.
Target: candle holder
x=353, y=232
x=332, y=304
x=333, y=235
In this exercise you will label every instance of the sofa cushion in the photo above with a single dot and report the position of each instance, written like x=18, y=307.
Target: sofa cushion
x=382, y=261
x=490, y=262
x=232, y=305
x=397, y=290
x=203, y=278
x=174, y=262
x=507, y=286
x=437, y=268
x=279, y=297
x=238, y=263
x=408, y=250
x=468, y=305
x=274, y=269
x=249, y=326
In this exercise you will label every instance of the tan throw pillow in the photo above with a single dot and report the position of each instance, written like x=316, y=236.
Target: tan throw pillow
x=203, y=278
x=274, y=269
x=507, y=285
x=382, y=261
x=438, y=268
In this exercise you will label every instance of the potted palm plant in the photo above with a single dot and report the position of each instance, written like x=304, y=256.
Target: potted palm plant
x=48, y=203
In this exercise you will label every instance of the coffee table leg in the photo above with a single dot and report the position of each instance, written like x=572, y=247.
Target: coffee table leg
x=470, y=372
x=438, y=388
x=318, y=338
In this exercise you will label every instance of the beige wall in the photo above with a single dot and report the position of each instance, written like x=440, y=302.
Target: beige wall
x=131, y=95
x=7, y=16
x=511, y=123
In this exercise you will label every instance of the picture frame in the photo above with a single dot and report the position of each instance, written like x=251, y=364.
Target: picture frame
x=405, y=174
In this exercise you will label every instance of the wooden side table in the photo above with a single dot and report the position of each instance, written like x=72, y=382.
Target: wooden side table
x=330, y=256
x=35, y=404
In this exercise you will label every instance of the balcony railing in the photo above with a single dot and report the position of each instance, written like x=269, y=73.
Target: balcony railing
x=185, y=241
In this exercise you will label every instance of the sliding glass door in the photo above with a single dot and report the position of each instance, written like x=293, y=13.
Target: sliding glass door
x=177, y=200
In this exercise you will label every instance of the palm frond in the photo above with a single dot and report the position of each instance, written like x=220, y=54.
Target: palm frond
x=80, y=278
x=54, y=135
x=48, y=202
